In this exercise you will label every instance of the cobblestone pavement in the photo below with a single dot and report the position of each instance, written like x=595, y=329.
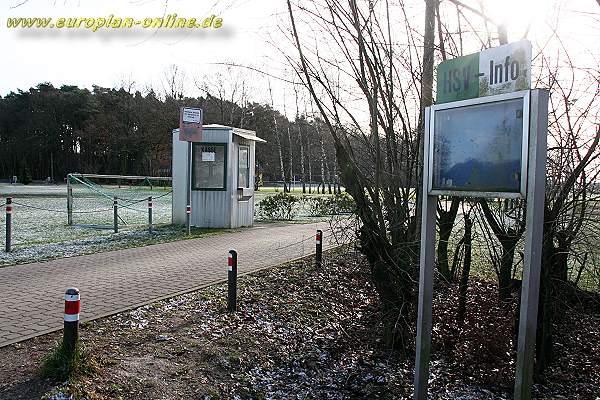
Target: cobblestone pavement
x=31, y=295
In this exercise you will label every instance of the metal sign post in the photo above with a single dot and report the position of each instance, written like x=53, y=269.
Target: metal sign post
x=452, y=169
x=190, y=130
x=188, y=202
x=426, y=269
x=534, y=234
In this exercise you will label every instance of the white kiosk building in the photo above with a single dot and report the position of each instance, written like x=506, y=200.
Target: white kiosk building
x=222, y=177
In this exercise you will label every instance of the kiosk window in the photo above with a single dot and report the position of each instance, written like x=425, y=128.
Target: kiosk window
x=244, y=167
x=210, y=161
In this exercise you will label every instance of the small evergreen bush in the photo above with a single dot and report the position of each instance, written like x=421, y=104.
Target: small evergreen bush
x=331, y=205
x=282, y=206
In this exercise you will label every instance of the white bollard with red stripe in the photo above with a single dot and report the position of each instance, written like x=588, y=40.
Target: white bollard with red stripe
x=150, y=205
x=188, y=218
x=71, y=326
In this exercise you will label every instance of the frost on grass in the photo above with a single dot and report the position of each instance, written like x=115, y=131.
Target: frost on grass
x=40, y=230
x=302, y=332
x=73, y=247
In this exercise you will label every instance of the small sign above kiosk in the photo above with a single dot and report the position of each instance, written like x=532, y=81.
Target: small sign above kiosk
x=190, y=124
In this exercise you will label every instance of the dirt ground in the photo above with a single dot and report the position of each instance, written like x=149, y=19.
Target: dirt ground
x=303, y=333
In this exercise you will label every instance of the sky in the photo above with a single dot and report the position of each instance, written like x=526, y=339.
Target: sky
x=251, y=35
x=109, y=57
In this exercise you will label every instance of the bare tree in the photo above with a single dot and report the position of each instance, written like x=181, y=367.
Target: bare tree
x=446, y=218
x=466, y=269
x=174, y=82
x=230, y=92
x=371, y=94
x=507, y=222
x=309, y=146
x=376, y=149
x=291, y=149
x=323, y=158
x=572, y=169
x=301, y=141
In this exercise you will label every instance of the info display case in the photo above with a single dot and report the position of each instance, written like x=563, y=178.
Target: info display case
x=479, y=146
x=494, y=147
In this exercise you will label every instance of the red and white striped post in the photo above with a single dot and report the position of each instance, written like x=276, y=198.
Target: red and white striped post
x=188, y=219
x=319, y=251
x=9, y=210
x=71, y=327
x=150, y=214
x=232, y=281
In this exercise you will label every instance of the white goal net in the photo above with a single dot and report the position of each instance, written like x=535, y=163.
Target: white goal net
x=90, y=200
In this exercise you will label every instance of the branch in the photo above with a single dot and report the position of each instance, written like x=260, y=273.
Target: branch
x=477, y=12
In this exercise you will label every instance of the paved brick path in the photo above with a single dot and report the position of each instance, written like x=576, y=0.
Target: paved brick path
x=31, y=295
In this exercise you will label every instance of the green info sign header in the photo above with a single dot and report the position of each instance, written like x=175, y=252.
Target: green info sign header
x=503, y=69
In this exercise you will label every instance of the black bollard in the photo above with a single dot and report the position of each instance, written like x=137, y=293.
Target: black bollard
x=115, y=215
x=9, y=210
x=319, y=252
x=232, y=281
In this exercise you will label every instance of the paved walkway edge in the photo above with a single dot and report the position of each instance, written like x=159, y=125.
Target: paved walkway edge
x=168, y=296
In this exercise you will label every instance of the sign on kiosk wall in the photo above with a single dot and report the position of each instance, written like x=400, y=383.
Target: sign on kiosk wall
x=190, y=124
x=503, y=69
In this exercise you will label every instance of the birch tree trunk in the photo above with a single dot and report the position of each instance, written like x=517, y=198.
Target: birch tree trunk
x=302, y=172
x=279, y=150
x=324, y=166
x=309, y=172
x=281, y=166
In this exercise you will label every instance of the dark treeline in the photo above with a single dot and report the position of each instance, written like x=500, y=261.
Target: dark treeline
x=50, y=132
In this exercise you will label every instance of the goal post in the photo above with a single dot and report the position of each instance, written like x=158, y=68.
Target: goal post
x=91, y=200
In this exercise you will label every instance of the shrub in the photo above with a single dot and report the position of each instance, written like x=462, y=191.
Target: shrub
x=25, y=177
x=282, y=206
x=342, y=203
x=333, y=205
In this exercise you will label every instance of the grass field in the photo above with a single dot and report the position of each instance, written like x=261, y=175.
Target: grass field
x=39, y=221
x=38, y=218
x=40, y=230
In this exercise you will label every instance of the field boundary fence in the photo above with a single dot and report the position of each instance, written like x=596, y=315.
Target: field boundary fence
x=82, y=215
